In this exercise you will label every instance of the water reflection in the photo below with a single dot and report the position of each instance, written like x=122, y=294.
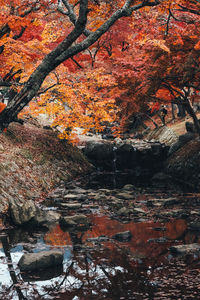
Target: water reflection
x=94, y=267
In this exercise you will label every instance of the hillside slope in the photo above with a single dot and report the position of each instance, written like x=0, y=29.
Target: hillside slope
x=33, y=161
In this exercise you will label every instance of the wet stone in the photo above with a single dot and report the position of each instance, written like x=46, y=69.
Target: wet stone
x=139, y=210
x=100, y=197
x=70, y=197
x=80, y=191
x=71, y=205
x=122, y=236
x=105, y=191
x=158, y=240
x=123, y=211
x=98, y=239
x=186, y=249
x=128, y=187
x=170, y=201
x=82, y=197
x=41, y=260
x=74, y=220
x=194, y=226
x=125, y=196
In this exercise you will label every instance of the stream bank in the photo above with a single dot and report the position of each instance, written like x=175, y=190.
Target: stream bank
x=107, y=235
x=33, y=161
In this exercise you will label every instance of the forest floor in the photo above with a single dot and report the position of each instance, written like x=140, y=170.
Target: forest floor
x=177, y=125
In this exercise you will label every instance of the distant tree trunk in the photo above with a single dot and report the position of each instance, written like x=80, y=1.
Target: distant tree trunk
x=173, y=111
x=181, y=111
x=191, y=112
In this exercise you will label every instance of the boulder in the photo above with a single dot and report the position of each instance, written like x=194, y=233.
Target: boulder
x=182, y=140
x=164, y=135
x=75, y=220
x=186, y=249
x=22, y=211
x=99, y=151
x=45, y=218
x=160, y=176
x=41, y=260
x=190, y=126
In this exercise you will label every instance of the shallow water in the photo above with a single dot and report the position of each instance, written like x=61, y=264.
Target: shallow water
x=97, y=266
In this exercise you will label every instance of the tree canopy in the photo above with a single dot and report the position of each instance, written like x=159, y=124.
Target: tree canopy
x=86, y=63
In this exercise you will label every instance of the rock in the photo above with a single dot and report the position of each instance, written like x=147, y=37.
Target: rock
x=82, y=197
x=123, y=211
x=78, y=190
x=4, y=204
x=160, y=176
x=122, y=236
x=116, y=203
x=158, y=240
x=98, y=239
x=194, y=226
x=22, y=212
x=182, y=140
x=190, y=127
x=126, y=156
x=128, y=187
x=170, y=201
x=105, y=191
x=46, y=218
x=46, y=274
x=41, y=260
x=99, y=151
x=1, y=148
x=185, y=249
x=71, y=205
x=125, y=196
x=164, y=135
x=139, y=210
x=70, y=197
x=184, y=164
x=75, y=220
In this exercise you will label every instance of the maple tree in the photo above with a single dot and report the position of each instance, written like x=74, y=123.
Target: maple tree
x=85, y=63
x=161, y=64
x=62, y=45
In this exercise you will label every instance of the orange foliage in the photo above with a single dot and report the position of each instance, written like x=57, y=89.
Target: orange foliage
x=117, y=76
x=2, y=106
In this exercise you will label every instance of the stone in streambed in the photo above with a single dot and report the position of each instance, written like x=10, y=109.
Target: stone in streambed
x=124, y=211
x=41, y=260
x=128, y=187
x=125, y=196
x=75, y=220
x=122, y=236
x=70, y=197
x=186, y=249
x=22, y=211
x=71, y=205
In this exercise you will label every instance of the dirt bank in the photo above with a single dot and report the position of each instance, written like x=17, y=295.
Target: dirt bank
x=33, y=161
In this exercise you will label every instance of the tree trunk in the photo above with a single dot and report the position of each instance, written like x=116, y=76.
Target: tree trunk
x=173, y=111
x=21, y=99
x=65, y=50
x=191, y=112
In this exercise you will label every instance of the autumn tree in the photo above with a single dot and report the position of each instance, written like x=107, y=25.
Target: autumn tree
x=74, y=42
x=162, y=62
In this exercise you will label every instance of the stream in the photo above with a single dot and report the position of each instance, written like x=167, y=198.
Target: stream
x=124, y=253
